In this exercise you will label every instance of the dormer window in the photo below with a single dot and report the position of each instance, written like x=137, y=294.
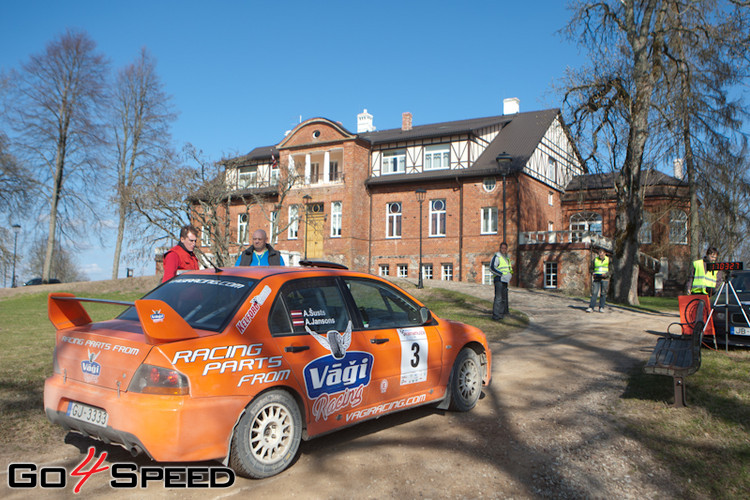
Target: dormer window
x=437, y=157
x=394, y=162
x=247, y=177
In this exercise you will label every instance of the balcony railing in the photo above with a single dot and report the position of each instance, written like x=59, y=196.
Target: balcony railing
x=587, y=237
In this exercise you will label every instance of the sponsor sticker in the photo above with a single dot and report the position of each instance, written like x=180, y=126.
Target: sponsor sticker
x=157, y=316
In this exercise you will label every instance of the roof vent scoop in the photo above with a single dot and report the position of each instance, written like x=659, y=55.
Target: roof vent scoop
x=511, y=106
x=364, y=122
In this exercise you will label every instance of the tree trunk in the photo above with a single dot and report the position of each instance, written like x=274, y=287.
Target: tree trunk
x=57, y=187
x=118, y=241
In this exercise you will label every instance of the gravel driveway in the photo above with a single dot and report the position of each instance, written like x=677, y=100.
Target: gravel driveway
x=544, y=428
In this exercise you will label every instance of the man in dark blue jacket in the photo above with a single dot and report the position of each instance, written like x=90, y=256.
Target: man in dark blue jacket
x=260, y=253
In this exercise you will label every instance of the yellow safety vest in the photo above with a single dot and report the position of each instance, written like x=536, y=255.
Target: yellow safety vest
x=601, y=266
x=503, y=264
x=702, y=279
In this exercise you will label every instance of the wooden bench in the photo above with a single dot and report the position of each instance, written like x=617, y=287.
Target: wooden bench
x=678, y=356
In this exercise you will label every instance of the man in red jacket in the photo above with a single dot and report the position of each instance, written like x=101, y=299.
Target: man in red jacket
x=181, y=255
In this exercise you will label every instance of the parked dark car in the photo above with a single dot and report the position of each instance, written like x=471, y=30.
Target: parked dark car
x=40, y=281
x=739, y=324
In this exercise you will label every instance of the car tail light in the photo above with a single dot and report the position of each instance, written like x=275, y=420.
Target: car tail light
x=150, y=379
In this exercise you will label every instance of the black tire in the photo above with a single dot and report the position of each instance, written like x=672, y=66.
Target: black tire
x=267, y=436
x=466, y=380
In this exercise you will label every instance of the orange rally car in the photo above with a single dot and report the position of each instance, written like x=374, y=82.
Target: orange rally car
x=239, y=364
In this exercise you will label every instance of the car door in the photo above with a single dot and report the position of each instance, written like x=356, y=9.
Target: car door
x=408, y=354
x=311, y=325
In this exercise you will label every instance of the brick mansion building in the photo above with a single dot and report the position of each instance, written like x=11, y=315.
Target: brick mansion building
x=371, y=200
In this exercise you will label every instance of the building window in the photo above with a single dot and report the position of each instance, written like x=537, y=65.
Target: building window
x=293, y=229
x=489, y=184
x=242, y=229
x=384, y=270
x=487, y=276
x=273, y=224
x=205, y=237
x=336, y=219
x=447, y=272
x=582, y=222
x=394, y=162
x=489, y=220
x=678, y=227
x=403, y=270
x=274, y=173
x=248, y=177
x=550, y=275
x=437, y=157
x=437, y=217
x=645, y=236
x=426, y=271
x=333, y=171
x=552, y=169
x=315, y=173
x=393, y=222
x=550, y=199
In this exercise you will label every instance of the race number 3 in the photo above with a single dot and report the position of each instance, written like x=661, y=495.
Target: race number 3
x=414, y=350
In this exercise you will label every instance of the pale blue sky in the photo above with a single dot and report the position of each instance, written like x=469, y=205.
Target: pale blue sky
x=241, y=73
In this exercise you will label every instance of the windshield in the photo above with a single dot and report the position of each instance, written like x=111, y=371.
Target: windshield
x=205, y=302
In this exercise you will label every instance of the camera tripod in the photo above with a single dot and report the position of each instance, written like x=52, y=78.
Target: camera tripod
x=726, y=286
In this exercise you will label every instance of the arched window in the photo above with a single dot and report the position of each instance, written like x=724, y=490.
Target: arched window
x=678, y=227
x=584, y=221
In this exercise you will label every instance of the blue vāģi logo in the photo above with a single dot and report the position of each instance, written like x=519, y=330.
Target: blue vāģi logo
x=328, y=375
x=90, y=366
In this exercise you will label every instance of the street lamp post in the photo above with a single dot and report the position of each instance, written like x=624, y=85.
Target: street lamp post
x=421, y=193
x=503, y=164
x=305, y=201
x=16, y=229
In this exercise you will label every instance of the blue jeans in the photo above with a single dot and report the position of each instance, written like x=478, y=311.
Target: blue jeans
x=599, y=289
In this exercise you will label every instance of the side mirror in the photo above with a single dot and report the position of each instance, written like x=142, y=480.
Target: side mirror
x=424, y=314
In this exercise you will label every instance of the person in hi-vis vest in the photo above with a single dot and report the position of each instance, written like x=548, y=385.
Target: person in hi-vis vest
x=503, y=271
x=599, y=281
x=704, y=281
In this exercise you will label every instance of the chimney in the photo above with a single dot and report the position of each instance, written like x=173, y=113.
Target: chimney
x=511, y=105
x=406, y=121
x=364, y=122
x=677, y=166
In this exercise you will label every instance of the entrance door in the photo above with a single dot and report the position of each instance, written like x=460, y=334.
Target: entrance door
x=314, y=231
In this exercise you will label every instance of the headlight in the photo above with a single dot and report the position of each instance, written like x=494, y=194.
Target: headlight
x=150, y=379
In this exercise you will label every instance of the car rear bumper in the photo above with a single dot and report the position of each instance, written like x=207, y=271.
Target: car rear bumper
x=166, y=428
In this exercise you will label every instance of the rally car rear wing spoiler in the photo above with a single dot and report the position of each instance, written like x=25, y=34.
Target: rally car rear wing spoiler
x=160, y=322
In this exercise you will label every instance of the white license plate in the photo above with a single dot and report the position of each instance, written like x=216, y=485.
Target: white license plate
x=740, y=330
x=87, y=413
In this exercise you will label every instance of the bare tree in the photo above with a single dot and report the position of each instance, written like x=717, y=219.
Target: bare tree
x=200, y=193
x=657, y=86
x=56, y=103
x=142, y=116
x=62, y=267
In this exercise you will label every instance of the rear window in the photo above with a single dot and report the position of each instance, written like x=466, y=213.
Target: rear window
x=205, y=302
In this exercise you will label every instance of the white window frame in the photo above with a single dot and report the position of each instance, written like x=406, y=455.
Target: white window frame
x=487, y=276
x=446, y=272
x=316, y=175
x=336, y=218
x=292, y=232
x=242, y=236
x=489, y=184
x=678, y=227
x=247, y=177
x=438, y=218
x=272, y=225
x=393, y=220
x=403, y=270
x=205, y=237
x=427, y=271
x=334, y=174
x=394, y=162
x=550, y=199
x=489, y=220
x=437, y=157
x=645, y=235
x=550, y=274
x=585, y=221
x=384, y=270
